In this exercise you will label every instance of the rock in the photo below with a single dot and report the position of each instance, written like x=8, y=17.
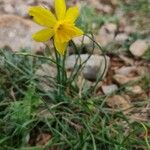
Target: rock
x=46, y=70
x=124, y=27
x=129, y=29
x=118, y=102
x=78, y=40
x=121, y=37
x=138, y=48
x=31, y=2
x=141, y=70
x=109, y=89
x=22, y=10
x=103, y=7
x=94, y=67
x=16, y=7
x=71, y=60
x=8, y=8
x=107, y=34
x=16, y=33
x=48, y=3
x=106, y=9
x=110, y=2
x=135, y=89
x=139, y=117
x=46, y=74
x=110, y=28
x=126, y=70
x=43, y=139
x=121, y=79
x=88, y=43
x=119, y=14
x=127, y=60
x=94, y=26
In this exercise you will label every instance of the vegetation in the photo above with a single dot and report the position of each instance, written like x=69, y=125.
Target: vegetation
x=32, y=118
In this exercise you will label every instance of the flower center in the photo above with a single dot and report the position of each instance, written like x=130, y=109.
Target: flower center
x=59, y=26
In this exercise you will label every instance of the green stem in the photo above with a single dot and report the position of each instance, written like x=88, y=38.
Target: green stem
x=61, y=75
x=58, y=74
x=64, y=75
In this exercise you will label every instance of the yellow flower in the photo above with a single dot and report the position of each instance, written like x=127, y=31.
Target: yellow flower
x=62, y=27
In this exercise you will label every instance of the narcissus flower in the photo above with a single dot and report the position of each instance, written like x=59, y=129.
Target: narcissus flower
x=62, y=27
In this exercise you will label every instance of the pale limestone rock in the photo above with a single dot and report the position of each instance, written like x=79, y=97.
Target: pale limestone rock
x=118, y=102
x=78, y=40
x=121, y=37
x=135, y=89
x=121, y=79
x=126, y=70
x=46, y=74
x=94, y=67
x=127, y=60
x=16, y=33
x=107, y=34
x=109, y=89
x=138, y=48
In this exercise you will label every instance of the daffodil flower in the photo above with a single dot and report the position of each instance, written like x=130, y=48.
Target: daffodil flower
x=62, y=27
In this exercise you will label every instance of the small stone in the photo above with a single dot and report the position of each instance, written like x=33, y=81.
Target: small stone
x=47, y=2
x=43, y=138
x=124, y=27
x=106, y=9
x=118, y=102
x=46, y=70
x=46, y=73
x=139, y=117
x=104, y=40
x=121, y=37
x=121, y=79
x=94, y=66
x=109, y=89
x=110, y=2
x=22, y=10
x=78, y=40
x=125, y=70
x=141, y=70
x=8, y=8
x=135, y=89
x=138, y=48
x=31, y=2
x=127, y=60
x=106, y=34
x=129, y=29
x=94, y=25
x=110, y=27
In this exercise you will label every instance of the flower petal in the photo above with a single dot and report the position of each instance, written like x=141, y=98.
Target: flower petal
x=72, y=14
x=60, y=47
x=60, y=9
x=43, y=35
x=68, y=32
x=42, y=16
x=78, y=32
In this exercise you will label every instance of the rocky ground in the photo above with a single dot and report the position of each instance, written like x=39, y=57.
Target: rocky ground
x=123, y=35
